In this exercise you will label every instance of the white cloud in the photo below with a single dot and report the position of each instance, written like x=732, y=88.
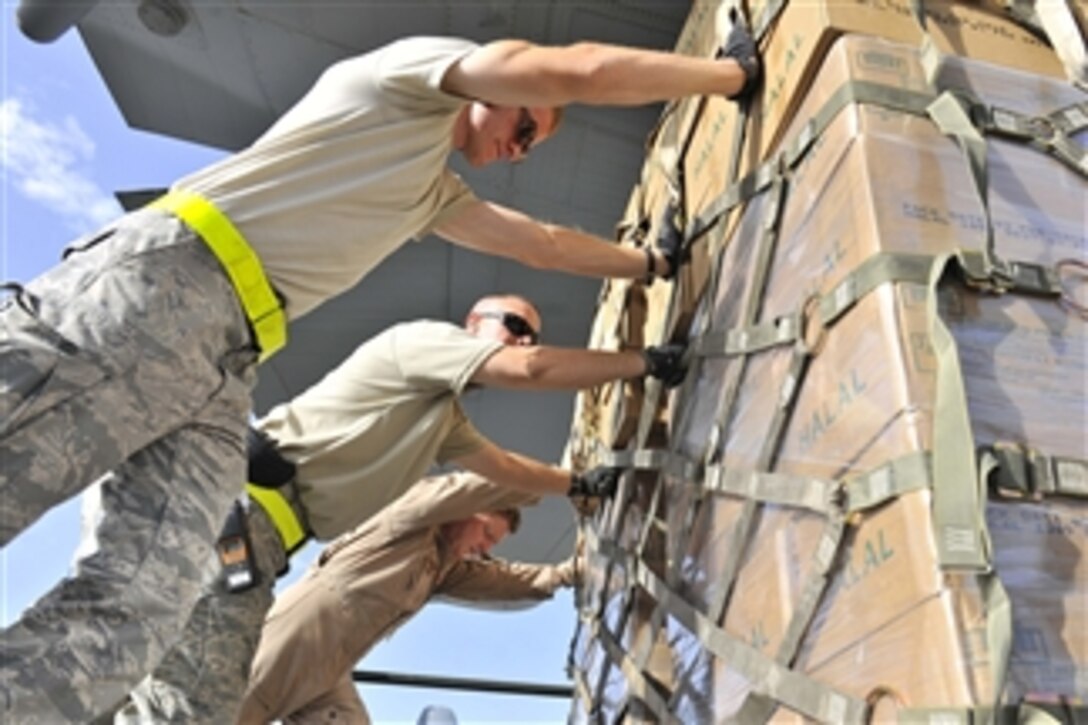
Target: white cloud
x=48, y=162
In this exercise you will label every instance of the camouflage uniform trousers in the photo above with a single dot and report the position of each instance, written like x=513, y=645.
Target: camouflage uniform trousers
x=203, y=677
x=131, y=356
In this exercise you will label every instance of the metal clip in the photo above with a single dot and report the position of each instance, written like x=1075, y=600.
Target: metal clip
x=1020, y=473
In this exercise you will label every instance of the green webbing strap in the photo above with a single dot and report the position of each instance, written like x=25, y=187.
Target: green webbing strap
x=876, y=270
x=959, y=524
x=1017, y=471
x=796, y=148
x=618, y=514
x=907, y=473
x=985, y=271
x=950, y=115
x=980, y=270
x=637, y=684
x=668, y=462
x=742, y=529
x=911, y=472
x=766, y=676
x=747, y=340
x=1052, y=133
x=581, y=688
x=1072, y=119
x=649, y=524
x=255, y=294
x=757, y=708
x=826, y=554
x=753, y=303
x=930, y=55
x=632, y=670
x=682, y=420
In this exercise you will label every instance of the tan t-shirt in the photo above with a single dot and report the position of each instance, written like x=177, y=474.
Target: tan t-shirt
x=352, y=171
x=373, y=426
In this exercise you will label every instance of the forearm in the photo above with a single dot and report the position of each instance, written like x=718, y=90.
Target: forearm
x=519, y=472
x=517, y=73
x=558, y=368
x=502, y=581
x=577, y=252
x=495, y=229
x=620, y=76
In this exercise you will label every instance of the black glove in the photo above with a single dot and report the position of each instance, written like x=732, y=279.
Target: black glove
x=599, y=482
x=741, y=47
x=267, y=468
x=666, y=363
x=670, y=241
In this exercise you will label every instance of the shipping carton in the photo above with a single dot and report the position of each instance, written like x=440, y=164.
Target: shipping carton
x=892, y=626
x=795, y=46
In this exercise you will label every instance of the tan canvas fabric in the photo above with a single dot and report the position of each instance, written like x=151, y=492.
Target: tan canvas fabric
x=351, y=172
x=372, y=579
x=374, y=425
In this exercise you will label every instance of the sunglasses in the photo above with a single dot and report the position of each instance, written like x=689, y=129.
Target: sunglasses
x=525, y=132
x=516, y=325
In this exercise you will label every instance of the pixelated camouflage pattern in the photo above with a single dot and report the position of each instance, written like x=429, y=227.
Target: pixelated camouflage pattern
x=131, y=356
x=203, y=677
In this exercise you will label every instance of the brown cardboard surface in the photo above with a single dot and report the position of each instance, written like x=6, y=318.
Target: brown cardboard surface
x=918, y=656
x=878, y=181
x=795, y=46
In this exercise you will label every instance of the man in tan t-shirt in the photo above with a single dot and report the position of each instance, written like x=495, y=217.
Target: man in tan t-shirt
x=134, y=357
x=358, y=439
x=372, y=579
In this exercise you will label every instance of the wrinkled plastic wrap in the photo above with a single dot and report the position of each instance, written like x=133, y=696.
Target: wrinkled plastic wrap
x=891, y=624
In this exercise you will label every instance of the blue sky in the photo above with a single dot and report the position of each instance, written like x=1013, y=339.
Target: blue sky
x=65, y=150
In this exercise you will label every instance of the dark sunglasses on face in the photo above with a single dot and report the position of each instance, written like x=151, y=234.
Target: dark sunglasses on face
x=516, y=325
x=525, y=132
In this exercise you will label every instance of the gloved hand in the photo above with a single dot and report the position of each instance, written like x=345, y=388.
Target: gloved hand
x=666, y=363
x=599, y=482
x=267, y=467
x=741, y=47
x=670, y=241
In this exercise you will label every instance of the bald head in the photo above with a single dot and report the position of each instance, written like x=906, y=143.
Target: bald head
x=486, y=319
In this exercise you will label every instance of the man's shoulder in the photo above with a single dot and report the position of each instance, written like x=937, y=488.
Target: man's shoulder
x=427, y=329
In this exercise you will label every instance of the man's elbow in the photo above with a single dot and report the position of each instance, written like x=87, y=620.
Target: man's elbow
x=584, y=76
x=543, y=252
x=532, y=367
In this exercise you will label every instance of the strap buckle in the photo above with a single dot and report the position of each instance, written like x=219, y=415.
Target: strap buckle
x=1021, y=472
x=988, y=272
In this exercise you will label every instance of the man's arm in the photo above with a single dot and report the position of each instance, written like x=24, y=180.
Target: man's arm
x=516, y=471
x=501, y=581
x=538, y=367
x=437, y=500
x=519, y=73
x=494, y=229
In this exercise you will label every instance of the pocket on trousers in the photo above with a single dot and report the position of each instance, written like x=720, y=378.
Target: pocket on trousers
x=39, y=368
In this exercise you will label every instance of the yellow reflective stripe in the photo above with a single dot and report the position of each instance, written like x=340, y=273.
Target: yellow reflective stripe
x=282, y=515
x=241, y=264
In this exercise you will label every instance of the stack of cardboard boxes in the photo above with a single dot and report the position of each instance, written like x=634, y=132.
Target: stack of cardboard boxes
x=893, y=627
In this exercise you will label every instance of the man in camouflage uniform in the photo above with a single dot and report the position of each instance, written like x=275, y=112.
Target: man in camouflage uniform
x=136, y=354
x=359, y=439
x=369, y=581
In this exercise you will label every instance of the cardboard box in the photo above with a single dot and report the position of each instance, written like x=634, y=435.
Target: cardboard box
x=882, y=181
x=795, y=46
x=885, y=181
